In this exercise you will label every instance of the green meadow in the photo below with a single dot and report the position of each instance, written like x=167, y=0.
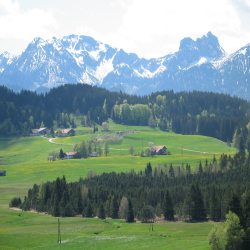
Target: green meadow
x=25, y=161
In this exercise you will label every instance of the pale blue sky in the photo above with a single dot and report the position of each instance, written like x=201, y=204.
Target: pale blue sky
x=150, y=28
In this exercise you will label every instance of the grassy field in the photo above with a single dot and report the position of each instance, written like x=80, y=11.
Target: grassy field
x=25, y=161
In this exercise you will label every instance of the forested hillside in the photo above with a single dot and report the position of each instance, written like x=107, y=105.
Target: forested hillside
x=210, y=114
x=211, y=191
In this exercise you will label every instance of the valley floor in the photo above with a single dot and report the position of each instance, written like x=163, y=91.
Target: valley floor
x=25, y=162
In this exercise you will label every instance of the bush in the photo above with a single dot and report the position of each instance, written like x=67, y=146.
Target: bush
x=16, y=202
x=146, y=214
x=53, y=156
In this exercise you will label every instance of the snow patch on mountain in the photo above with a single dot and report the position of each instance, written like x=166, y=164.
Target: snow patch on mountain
x=95, y=54
x=106, y=66
x=5, y=60
x=197, y=65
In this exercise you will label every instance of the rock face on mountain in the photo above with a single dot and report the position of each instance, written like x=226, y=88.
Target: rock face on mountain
x=197, y=65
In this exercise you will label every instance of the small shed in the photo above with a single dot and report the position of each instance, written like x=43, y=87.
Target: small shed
x=94, y=154
x=72, y=155
x=2, y=173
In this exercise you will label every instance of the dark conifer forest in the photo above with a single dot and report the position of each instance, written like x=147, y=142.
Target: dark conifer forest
x=203, y=113
x=209, y=193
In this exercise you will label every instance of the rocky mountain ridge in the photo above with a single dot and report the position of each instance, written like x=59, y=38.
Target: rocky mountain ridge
x=197, y=65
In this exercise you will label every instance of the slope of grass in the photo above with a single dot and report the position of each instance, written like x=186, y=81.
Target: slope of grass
x=25, y=230
x=24, y=159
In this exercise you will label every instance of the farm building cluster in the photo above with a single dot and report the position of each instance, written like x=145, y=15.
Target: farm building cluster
x=76, y=155
x=60, y=133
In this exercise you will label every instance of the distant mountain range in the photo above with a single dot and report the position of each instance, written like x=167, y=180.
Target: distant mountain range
x=197, y=65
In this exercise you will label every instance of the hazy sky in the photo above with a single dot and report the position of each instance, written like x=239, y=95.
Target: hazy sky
x=150, y=28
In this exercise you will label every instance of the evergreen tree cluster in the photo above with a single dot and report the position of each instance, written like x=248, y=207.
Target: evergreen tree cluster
x=210, y=192
x=211, y=114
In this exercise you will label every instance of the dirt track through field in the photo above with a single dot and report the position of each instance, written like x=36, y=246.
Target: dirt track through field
x=51, y=140
x=199, y=151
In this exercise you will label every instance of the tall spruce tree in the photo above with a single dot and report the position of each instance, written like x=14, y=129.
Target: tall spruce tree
x=78, y=200
x=214, y=208
x=130, y=212
x=55, y=207
x=106, y=147
x=61, y=154
x=168, y=208
x=102, y=212
x=148, y=169
x=197, y=210
x=171, y=171
x=235, y=205
x=89, y=211
x=114, y=208
x=242, y=146
x=200, y=170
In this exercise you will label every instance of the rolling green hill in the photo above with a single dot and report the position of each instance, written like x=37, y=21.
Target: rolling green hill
x=25, y=161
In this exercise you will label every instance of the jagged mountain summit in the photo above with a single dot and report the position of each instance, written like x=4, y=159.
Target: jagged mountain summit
x=197, y=65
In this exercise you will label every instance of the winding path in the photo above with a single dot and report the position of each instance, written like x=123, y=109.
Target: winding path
x=51, y=140
x=199, y=151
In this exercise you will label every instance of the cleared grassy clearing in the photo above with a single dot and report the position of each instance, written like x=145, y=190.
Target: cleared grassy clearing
x=24, y=230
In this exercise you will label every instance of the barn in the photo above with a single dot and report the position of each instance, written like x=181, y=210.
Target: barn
x=159, y=150
x=38, y=132
x=2, y=173
x=72, y=155
x=67, y=132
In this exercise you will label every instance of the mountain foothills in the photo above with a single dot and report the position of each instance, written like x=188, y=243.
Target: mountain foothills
x=199, y=65
x=211, y=114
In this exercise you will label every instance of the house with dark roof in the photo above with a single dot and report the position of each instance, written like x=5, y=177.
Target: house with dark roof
x=71, y=155
x=2, y=173
x=159, y=150
x=38, y=132
x=67, y=132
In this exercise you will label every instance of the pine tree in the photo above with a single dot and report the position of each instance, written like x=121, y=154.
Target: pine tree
x=57, y=189
x=168, y=208
x=214, y=160
x=235, y=205
x=89, y=211
x=61, y=154
x=130, y=212
x=90, y=147
x=63, y=203
x=148, y=169
x=200, y=171
x=242, y=146
x=197, y=210
x=102, y=212
x=114, y=208
x=106, y=147
x=188, y=169
x=171, y=171
x=55, y=207
x=214, y=204
x=201, y=212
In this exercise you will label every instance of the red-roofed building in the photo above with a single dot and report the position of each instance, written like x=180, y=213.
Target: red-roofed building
x=71, y=155
x=159, y=150
x=38, y=132
x=67, y=131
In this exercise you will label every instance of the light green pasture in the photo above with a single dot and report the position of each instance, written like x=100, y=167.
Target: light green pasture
x=25, y=160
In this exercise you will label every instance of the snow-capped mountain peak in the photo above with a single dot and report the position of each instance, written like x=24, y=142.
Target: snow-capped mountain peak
x=201, y=64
